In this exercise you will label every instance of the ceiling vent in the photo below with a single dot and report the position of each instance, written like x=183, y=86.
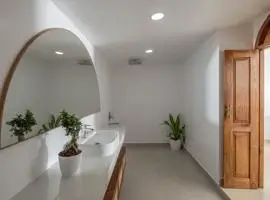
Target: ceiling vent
x=135, y=61
x=86, y=62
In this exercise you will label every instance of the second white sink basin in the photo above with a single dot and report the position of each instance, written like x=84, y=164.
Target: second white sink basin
x=103, y=143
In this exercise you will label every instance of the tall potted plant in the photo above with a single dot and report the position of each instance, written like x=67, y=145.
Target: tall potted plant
x=70, y=157
x=177, y=137
x=22, y=125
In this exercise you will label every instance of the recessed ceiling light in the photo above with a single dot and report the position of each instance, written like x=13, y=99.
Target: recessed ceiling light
x=59, y=52
x=157, y=16
x=149, y=51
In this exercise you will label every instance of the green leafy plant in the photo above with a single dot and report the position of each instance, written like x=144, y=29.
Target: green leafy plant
x=21, y=125
x=72, y=125
x=53, y=123
x=177, y=131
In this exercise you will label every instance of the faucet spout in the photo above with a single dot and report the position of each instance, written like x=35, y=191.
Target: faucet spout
x=87, y=129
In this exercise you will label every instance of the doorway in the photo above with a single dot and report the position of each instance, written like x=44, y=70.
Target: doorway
x=246, y=155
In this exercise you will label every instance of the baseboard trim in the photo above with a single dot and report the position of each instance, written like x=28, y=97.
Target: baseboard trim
x=217, y=187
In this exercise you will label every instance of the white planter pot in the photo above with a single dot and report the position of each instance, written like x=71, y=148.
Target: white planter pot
x=175, y=145
x=70, y=166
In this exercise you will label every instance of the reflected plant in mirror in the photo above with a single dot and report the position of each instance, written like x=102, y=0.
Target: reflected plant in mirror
x=22, y=125
x=47, y=67
x=54, y=122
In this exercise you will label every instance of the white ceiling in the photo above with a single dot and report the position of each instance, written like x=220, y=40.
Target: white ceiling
x=122, y=29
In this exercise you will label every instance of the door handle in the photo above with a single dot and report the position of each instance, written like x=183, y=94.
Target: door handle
x=227, y=111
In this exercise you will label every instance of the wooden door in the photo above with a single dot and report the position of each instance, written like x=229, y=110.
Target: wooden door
x=241, y=119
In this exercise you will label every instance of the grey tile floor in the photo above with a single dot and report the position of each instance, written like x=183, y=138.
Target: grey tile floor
x=156, y=173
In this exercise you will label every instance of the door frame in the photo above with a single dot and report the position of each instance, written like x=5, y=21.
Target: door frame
x=261, y=121
x=261, y=44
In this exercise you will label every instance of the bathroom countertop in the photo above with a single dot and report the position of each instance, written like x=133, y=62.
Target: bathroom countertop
x=90, y=184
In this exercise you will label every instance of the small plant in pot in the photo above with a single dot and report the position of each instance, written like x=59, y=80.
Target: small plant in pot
x=177, y=137
x=70, y=157
x=22, y=125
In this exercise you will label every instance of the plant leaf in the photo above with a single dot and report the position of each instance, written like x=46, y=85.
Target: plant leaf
x=57, y=122
x=176, y=130
x=45, y=128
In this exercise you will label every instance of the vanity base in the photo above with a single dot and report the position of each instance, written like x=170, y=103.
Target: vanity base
x=116, y=181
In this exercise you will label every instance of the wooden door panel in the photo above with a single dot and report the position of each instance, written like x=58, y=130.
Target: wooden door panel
x=241, y=90
x=241, y=141
x=241, y=119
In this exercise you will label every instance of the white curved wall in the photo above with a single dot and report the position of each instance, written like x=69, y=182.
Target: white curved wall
x=204, y=94
x=20, y=20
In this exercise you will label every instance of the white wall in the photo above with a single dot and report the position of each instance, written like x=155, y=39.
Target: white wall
x=20, y=20
x=204, y=99
x=143, y=97
x=105, y=88
x=202, y=107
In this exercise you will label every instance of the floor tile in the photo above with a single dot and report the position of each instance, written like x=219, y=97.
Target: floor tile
x=156, y=173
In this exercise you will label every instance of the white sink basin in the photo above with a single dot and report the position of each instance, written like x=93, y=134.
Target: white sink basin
x=103, y=143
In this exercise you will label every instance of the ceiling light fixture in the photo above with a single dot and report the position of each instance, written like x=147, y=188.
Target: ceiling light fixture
x=59, y=52
x=149, y=51
x=157, y=16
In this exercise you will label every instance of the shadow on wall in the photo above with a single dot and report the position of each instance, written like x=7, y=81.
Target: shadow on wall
x=203, y=110
x=63, y=6
x=41, y=160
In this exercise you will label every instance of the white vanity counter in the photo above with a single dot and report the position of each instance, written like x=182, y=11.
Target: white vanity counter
x=90, y=184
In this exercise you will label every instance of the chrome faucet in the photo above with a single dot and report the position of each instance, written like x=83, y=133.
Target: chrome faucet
x=87, y=129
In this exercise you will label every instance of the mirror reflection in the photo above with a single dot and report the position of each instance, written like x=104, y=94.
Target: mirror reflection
x=55, y=73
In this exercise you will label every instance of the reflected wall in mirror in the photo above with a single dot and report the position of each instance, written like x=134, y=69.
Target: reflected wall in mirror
x=52, y=72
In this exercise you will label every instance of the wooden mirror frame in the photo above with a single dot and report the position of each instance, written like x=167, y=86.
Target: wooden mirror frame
x=12, y=70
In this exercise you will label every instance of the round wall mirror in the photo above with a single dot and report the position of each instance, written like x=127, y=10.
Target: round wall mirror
x=53, y=72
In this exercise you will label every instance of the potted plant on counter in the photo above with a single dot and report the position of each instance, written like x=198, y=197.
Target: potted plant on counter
x=177, y=137
x=22, y=125
x=70, y=157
